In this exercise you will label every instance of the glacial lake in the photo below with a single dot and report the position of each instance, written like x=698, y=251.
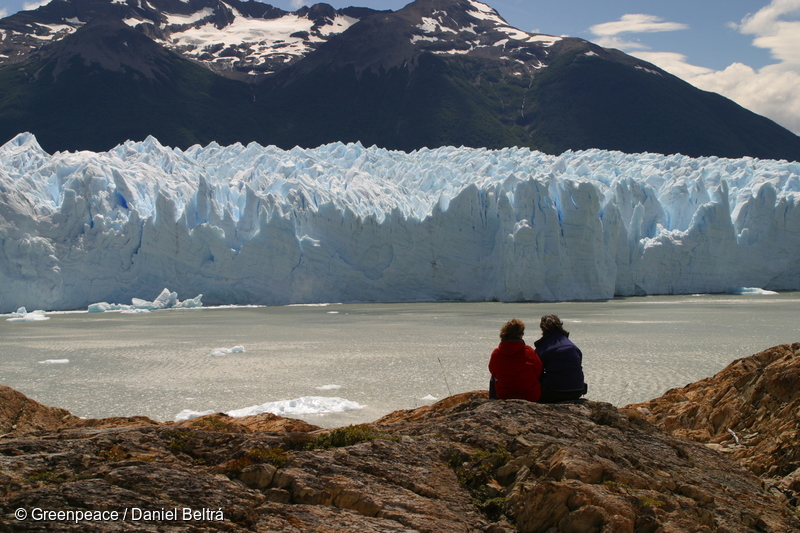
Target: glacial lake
x=382, y=357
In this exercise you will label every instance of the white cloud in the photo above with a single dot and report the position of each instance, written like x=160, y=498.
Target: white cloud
x=609, y=34
x=30, y=6
x=673, y=63
x=635, y=23
x=297, y=4
x=3, y=12
x=620, y=44
x=767, y=19
x=771, y=31
x=772, y=91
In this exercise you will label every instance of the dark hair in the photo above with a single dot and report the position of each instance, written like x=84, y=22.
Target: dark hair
x=513, y=329
x=552, y=324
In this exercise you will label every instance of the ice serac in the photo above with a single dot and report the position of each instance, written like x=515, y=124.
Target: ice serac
x=260, y=225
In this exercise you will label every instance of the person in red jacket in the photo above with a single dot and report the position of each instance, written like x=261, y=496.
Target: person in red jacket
x=514, y=366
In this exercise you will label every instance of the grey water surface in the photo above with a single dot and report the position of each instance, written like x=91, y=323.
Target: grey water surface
x=382, y=356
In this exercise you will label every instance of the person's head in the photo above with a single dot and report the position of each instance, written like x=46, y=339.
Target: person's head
x=513, y=329
x=552, y=324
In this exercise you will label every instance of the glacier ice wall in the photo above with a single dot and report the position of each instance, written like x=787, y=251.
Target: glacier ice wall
x=260, y=225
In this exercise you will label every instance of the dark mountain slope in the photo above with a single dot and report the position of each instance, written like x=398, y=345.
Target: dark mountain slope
x=578, y=102
x=107, y=83
x=584, y=102
x=403, y=108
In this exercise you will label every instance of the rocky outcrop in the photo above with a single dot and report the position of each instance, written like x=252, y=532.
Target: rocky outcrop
x=19, y=414
x=466, y=464
x=588, y=467
x=750, y=410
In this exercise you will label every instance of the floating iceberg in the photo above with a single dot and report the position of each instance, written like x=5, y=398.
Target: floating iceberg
x=219, y=352
x=165, y=300
x=307, y=405
x=22, y=315
x=188, y=414
x=102, y=307
x=749, y=290
x=341, y=223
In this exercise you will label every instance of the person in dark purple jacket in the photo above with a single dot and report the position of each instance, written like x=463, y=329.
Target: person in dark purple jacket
x=562, y=374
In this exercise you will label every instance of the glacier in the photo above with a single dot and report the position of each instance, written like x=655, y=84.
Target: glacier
x=248, y=224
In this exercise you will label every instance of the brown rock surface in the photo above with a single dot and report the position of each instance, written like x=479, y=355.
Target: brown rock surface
x=19, y=414
x=589, y=467
x=466, y=464
x=750, y=410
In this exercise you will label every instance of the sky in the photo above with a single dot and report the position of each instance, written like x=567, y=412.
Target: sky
x=746, y=50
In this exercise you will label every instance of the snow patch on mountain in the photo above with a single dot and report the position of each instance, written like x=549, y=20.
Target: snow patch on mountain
x=430, y=25
x=477, y=29
x=485, y=12
x=255, y=41
x=514, y=33
x=546, y=40
x=216, y=34
x=175, y=19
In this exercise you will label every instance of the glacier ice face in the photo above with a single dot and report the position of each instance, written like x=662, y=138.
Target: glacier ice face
x=260, y=225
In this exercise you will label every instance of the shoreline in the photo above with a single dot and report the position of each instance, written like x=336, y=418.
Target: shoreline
x=745, y=292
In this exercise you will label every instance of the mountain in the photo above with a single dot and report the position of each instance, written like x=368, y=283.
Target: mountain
x=108, y=82
x=90, y=74
x=232, y=38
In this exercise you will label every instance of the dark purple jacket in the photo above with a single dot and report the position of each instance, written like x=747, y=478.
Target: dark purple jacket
x=562, y=362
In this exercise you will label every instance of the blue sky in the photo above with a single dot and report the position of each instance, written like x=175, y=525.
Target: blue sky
x=747, y=50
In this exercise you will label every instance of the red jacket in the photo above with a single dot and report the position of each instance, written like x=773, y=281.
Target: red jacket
x=517, y=368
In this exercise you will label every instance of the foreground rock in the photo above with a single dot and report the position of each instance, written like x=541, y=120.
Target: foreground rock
x=588, y=467
x=466, y=464
x=19, y=414
x=750, y=410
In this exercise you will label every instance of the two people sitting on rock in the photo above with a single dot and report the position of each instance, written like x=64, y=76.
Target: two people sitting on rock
x=553, y=372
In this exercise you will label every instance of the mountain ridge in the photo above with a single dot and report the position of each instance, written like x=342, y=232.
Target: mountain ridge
x=434, y=73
